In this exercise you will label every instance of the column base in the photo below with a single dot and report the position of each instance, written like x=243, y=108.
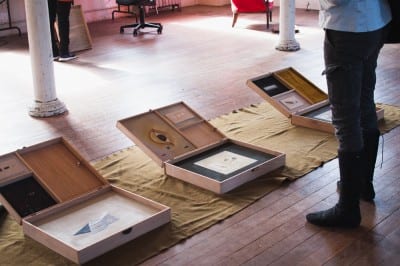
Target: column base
x=47, y=109
x=275, y=29
x=288, y=45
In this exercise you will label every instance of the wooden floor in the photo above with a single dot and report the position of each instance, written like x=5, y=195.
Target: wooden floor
x=201, y=60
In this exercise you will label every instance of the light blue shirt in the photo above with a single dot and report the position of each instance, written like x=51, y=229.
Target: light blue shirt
x=354, y=15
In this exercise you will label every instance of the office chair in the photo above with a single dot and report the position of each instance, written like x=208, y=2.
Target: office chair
x=141, y=24
x=127, y=4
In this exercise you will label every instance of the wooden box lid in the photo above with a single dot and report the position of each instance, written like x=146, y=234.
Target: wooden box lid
x=289, y=91
x=40, y=176
x=171, y=131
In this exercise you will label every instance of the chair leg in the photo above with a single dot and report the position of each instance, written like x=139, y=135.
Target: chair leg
x=128, y=11
x=235, y=17
x=142, y=24
x=118, y=10
x=268, y=13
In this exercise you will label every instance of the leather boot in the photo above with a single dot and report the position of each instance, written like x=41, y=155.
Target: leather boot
x=346, y=213
x=371, y=144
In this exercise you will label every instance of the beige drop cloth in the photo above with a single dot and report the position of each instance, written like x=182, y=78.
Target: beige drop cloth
x=193, y=209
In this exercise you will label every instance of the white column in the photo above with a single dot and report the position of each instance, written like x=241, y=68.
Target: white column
x=287, y=14
x=46, y=103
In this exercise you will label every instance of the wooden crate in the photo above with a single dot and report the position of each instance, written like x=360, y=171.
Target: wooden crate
x=191, y=149
x=297, y=98
x=65, y=204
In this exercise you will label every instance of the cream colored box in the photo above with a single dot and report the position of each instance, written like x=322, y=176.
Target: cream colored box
x=191, y=149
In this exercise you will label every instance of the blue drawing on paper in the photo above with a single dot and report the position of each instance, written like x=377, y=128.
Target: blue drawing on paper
x=97, y=225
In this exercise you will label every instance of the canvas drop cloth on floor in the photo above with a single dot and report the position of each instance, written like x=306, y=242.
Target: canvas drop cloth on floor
x=193, y=209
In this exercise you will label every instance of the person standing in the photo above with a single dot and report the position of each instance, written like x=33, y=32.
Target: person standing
x=60, y=10
x=355, y=32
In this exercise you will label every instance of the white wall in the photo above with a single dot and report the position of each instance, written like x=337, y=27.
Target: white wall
x=101, y=10
x=17, y=12
x=303, y=4
x=213, y=2
x=94, y=10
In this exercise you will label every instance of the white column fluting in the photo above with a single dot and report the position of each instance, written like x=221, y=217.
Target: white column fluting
x=287, y=14
x=45, y=103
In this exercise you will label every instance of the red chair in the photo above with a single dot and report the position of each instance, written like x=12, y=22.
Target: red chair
x=252, y=6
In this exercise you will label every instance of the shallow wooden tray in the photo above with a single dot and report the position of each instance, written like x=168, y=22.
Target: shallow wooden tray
x=297, y=98
x=177, y=138
x=89, y=226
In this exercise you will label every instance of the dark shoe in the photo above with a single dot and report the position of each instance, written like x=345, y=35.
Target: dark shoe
x=56, y=56
x=67, y=57
x=346, y=213
x=336, y=217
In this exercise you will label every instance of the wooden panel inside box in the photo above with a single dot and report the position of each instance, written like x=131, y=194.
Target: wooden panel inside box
x=61, y=169
x=191, y=149
x=63, y=203
x=168, y=132
x=297, y=98
x=294, y=80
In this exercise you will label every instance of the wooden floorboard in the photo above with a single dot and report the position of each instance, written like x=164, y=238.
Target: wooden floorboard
x=201, y=60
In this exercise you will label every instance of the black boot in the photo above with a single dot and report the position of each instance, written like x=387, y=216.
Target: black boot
x=346, y=213
x=371, y=144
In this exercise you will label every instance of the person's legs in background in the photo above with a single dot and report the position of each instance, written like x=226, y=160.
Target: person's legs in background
x=63, y=12
x=52, y=5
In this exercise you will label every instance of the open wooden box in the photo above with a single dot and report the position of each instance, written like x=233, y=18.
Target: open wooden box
x=191, y=149
x=297, y=98
x=63, y=203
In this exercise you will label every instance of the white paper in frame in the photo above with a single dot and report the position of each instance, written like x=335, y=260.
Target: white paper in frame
x=225, y=162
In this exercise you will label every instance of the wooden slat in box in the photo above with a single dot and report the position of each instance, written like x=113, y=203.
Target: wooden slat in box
x=65, y=204
x=79, y=34
x=191, y=149
x=297, y=98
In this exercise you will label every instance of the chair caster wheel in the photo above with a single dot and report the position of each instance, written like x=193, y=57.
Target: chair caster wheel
x=159, y=31
x=135, y=33
x=121, y=30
